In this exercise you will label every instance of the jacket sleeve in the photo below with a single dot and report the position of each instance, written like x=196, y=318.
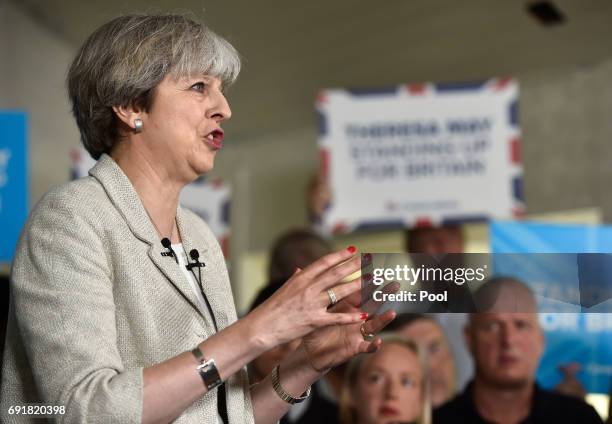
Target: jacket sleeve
x=62, y=290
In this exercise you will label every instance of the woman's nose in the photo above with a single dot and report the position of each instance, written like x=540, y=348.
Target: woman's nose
x=391, y=390
x=220, y=109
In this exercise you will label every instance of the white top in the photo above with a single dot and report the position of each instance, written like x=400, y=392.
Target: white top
x=179, y=250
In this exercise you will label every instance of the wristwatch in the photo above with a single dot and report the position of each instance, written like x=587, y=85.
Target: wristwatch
x=207, y=370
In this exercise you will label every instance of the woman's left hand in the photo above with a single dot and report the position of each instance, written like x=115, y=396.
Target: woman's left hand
x=333, y=345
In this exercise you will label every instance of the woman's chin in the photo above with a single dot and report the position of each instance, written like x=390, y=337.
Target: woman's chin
x=203, y=167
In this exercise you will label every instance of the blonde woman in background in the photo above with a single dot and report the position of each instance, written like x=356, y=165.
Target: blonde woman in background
x=389, y=386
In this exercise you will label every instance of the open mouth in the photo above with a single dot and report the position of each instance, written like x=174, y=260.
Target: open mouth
x=215, y=139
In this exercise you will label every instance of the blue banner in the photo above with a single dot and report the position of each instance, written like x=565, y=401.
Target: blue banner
x=13, y=180
x=583, y=338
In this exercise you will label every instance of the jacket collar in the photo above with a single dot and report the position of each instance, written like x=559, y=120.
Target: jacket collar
x=122, y=194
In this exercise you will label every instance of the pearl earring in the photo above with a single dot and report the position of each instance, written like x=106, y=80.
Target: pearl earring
x=137, y=125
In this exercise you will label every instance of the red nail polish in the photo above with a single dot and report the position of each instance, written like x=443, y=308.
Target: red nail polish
x=351, y=249
x=363, y=316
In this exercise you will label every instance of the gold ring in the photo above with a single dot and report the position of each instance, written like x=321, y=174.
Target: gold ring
x=332, y=297
x=368, y=337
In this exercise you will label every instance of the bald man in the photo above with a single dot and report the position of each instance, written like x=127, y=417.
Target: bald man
x=506, y=343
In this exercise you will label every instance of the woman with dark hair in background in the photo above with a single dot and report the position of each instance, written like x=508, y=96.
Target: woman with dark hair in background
x=296, y=248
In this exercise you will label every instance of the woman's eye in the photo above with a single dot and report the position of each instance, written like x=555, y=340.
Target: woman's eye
x=407, y=382
x=374, y=378
x=198, y=86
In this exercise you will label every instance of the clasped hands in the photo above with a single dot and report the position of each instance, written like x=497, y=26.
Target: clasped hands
x=325, y=312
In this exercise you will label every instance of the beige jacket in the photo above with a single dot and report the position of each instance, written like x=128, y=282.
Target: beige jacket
x=93, y=302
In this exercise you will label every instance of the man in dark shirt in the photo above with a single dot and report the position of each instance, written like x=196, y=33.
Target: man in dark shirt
x=506, y=343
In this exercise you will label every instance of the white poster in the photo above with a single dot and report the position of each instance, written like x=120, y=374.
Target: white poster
x=425, y=154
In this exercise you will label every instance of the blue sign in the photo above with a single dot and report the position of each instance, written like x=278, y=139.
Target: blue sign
x=13, y=180
x=583, y=338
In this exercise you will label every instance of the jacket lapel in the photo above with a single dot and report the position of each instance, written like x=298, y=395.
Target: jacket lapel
x=126, y=200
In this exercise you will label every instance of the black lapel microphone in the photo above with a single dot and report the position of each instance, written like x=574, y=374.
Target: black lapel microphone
x=195, y=256
x=168, y=245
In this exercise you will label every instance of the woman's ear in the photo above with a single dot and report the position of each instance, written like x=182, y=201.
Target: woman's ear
x=128, y=115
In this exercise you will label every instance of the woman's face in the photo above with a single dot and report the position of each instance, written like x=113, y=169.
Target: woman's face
x=388, y=387
x=182, y=129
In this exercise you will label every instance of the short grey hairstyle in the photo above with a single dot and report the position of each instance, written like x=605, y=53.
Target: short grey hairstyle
x=122, y=62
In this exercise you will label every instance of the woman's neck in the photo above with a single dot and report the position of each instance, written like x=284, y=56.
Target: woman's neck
x=158, y=192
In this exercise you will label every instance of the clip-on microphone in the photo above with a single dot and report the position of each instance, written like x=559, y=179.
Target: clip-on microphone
x=195, y=255
x=168, y=245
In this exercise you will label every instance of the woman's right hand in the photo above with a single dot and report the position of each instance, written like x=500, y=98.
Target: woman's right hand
x=301, y=304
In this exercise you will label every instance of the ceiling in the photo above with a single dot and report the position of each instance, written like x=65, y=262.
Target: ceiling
x=293, y=49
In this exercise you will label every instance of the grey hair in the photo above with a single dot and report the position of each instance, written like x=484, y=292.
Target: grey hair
x=122, y=62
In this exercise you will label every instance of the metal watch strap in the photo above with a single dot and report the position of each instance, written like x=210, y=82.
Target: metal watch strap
x=282, y=393
x=207, y=370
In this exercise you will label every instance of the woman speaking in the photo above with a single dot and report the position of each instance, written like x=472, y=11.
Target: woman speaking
x=121, y=308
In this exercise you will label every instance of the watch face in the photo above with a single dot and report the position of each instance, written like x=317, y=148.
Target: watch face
x=209, y=373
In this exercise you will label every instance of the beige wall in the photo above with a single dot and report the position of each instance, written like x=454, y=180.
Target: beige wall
x=33, y=63
x=566, y=116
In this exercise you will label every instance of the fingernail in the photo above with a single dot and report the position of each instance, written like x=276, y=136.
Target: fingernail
x=297, y=269
x=363, y=316
x=351, y=249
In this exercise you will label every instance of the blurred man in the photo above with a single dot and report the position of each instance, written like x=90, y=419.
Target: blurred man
x=428, y=333
x=506, y=343
x=435, y=240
